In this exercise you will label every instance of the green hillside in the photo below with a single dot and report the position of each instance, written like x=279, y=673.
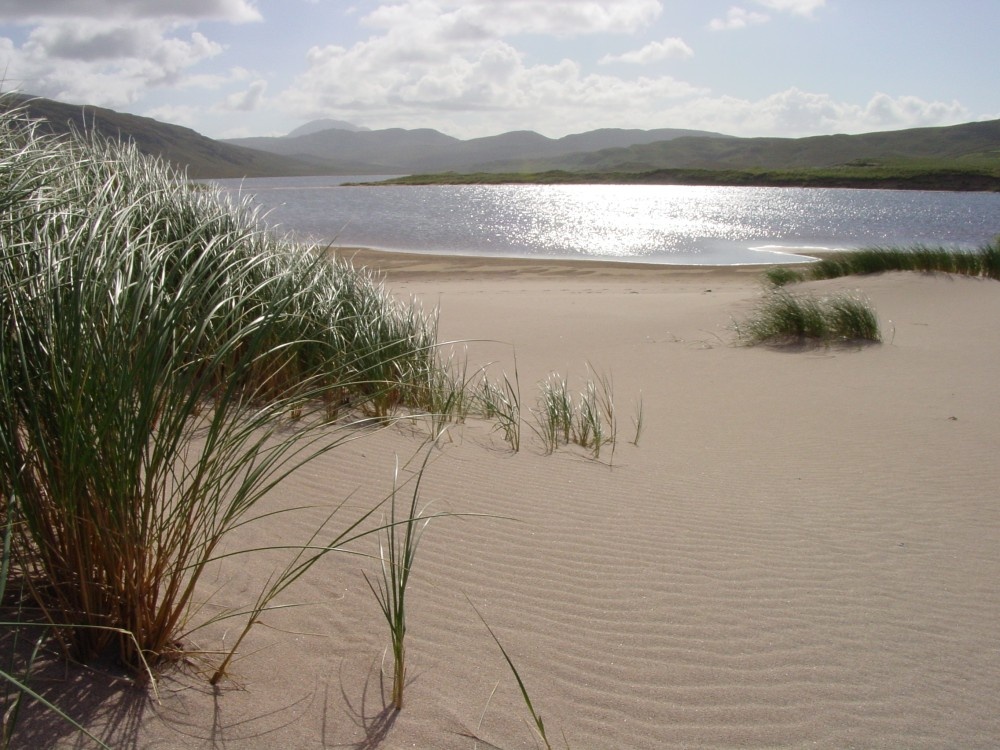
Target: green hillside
x=972, y=148
x=184, y=148
x=959, y=157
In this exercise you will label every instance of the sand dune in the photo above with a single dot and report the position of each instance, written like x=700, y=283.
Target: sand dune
x=801, y=551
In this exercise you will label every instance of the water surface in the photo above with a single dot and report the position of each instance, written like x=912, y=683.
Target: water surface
x=632, y=223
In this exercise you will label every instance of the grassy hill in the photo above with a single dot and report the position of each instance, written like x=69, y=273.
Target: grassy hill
x=405, y=151
x=184, y=148
x=971, y=149
x=916, y=176
x=959, y=157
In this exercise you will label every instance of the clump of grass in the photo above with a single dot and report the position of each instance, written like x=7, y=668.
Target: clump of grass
x=555, y=412
x=500, y=400
x=155, y=338
x=446, y=393
x=782, y=275
x=596, y=423
x=589, y=419
x=782, y=317
x=984, y=261
x=851, y=318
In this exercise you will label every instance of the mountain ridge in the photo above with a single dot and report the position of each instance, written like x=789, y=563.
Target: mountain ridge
x=317, y=149
x=396, y=150
x=201, y=157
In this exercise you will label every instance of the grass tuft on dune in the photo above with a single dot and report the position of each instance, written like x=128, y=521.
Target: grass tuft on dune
x=156, y=337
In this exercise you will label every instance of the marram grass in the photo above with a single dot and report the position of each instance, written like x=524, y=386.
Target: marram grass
x=588, y=419
x=983, y=262
x=783, y=318
x=155, y=337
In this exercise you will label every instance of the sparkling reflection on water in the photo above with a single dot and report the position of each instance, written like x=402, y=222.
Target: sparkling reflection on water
x=638, y=223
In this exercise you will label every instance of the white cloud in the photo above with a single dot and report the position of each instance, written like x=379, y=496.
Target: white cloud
x=484, y=87
x=237, y=11
x=454, y=56
x=670, y=48
x=799, y=7
x=886, y=112
x=480, y=19
x=176, y=114
x=248, y=100
x=112, y=52
x=737, y=18
x=214, y=81
x=109, y=63
x=797, y=113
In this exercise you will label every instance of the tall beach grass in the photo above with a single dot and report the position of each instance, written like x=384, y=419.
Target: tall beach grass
x=155, y=339
x=785, y=318
x=983, y=262
x=167, y=361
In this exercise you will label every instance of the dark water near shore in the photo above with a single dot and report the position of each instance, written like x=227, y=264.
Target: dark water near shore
x=630, y=223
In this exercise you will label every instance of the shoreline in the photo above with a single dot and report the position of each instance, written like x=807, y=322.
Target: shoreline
x=397, y=264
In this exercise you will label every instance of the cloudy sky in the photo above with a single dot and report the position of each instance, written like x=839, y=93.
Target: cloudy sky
x=470, y=68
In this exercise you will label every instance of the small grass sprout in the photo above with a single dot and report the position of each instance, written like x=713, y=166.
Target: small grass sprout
x=782, y=276
x=638, y=421
x=500, y=400
x=398, y=542
x=536, y=718
x=554, y=412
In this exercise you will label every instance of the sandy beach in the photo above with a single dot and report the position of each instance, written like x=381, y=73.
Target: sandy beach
x=801, y=551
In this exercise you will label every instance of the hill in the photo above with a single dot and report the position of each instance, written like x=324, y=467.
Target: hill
x=184, y=148
x=397, y=150
x=315, y=126
x=970, y=143
x=958, y=157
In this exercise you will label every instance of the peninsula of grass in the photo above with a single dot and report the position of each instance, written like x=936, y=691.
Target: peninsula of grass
x=983, y=262
x=949, y=175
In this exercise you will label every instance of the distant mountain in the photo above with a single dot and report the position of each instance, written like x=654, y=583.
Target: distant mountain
x=362, y=152
x=397, y=150
x=333, y=147
x=316, y=126
x=184, y=148
x=970, y=143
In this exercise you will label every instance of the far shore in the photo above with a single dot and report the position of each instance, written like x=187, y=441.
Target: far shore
x=949, y=176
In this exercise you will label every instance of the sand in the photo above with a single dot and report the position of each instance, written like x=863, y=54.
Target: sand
x=802, y=550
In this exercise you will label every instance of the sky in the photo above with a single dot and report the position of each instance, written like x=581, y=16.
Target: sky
x=471, y=68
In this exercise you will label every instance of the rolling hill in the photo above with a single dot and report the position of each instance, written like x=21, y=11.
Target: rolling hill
x=958, y=157
x=202, y=157
x=976, y=142
x=397, y=150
